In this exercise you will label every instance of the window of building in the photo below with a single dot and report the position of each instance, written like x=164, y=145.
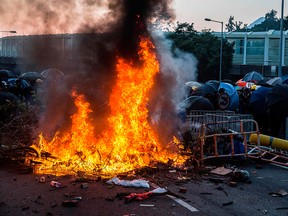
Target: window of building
x=238, y=45
x=255, y=46
x=274, y=47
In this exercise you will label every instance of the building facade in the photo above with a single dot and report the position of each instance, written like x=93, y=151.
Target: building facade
x=258, y=51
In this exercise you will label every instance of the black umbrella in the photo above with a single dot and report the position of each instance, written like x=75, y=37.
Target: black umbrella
x=32, y=76
x=7, y=74
x=253, y=76
x=52, y=74
x=270, y=81
x=277, y=100
x=258, y=100
x=196, y=103
x=284, y=79
x=209, y=88
x=8, y=98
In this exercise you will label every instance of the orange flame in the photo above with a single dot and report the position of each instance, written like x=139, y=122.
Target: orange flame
x=129, y=141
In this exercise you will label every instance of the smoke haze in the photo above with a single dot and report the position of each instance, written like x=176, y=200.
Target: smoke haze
x=117, y=25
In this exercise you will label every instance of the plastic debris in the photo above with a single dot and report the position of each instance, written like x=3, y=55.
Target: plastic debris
x=55, y=184
x=137, y=196
x=42, y=179
x=139, y=183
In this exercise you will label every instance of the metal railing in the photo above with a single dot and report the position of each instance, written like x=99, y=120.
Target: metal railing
x=222, y=137
x=209, y=130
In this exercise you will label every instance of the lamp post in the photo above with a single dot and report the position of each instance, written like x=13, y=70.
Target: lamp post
x=221, y=46
x=13, y=32
x=281, y=41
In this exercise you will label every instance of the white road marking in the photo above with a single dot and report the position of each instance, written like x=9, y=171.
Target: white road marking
x=184, y=204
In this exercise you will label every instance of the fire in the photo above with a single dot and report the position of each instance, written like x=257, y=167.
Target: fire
x=129, y=142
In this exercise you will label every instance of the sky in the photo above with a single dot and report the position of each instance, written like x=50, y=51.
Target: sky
x=246, y=11
x=53, y=16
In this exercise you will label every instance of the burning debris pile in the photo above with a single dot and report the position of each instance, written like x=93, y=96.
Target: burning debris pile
x=127, y=140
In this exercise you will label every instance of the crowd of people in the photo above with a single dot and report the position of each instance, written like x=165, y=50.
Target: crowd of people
x=27, y=91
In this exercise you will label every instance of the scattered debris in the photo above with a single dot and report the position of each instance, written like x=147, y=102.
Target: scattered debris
x=228, y=203
x=241, y=176
x=183, y=190
x=55, y=184
x=126, y=183
x=232, y=184
x=280, y=193
x=70, y=203
x=147, y=205
x=137, y=197
x=281, y=208
x=84, y=185
x=42, y=179
x=221, y=171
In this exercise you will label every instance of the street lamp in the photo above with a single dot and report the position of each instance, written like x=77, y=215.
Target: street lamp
x=281, y=41
x=12, y=32
x=221, y=46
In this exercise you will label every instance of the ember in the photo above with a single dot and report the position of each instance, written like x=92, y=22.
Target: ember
x=128, y=143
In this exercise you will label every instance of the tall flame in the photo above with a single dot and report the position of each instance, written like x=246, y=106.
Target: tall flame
x=128, y=142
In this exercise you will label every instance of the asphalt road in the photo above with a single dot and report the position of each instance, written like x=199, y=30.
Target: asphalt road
x=21, y=193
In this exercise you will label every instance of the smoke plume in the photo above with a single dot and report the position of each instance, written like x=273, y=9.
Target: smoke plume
x=112, y=28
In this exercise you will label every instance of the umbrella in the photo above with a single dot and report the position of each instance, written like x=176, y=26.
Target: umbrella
x=209, y=88
x=12, y=83
x=275, y=80
x=285, y=79
x=8, y=98
x=52, y=74
x=229, y=81
x=192, y=84
x=271, y=82
x=278, y=95
x=7, y=74
x=33, y=76
x=277, y=100
x=258, y=100
x=191, y=87
x=196, y=103
x=277, y=103
x=233, y=95
x=253, y=76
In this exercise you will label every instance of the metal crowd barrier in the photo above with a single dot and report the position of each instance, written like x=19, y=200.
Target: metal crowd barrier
x=205, y=126
x=206, y=133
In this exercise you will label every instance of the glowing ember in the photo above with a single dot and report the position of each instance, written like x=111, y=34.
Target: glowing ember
x=128, y=143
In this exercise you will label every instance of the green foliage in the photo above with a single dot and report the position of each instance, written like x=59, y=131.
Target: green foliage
x=234, y=25
x=271, y=22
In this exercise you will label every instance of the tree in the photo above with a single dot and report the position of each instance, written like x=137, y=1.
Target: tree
x=185, y=28
x=234, y=25
x=230, y=26
x=270, y=22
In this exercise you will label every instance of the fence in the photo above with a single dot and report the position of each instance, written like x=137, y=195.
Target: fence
x=209, y=130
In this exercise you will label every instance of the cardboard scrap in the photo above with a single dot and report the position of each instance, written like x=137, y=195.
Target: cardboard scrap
x=221, y=171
